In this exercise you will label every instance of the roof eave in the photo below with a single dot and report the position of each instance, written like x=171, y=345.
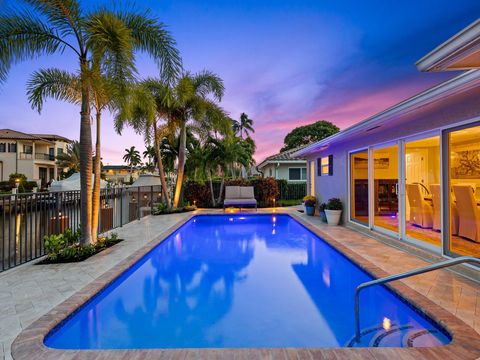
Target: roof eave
x=458, y=47
x=465, y=80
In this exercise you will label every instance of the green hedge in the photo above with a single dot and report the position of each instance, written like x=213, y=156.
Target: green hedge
x=266, y=189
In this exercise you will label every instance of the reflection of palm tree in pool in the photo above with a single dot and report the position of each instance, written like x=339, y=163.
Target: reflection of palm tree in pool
x=188, y=293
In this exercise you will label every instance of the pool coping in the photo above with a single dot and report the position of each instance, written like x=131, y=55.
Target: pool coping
x=465, y=342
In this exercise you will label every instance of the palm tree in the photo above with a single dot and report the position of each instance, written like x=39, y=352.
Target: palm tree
x=190, y=101
x=149, y=153
x=97, y=38
x=132, y=158
x=71, y=158
x=62, y=85
x=244, y=126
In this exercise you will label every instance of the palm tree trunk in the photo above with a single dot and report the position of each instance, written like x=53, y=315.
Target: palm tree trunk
x=96, y=182
x=220, y=193
x=181, y=164
x=85, y=167
x=161, y=170
x=214, y=203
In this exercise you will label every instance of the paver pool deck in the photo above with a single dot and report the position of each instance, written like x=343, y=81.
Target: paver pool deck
x=29, y=291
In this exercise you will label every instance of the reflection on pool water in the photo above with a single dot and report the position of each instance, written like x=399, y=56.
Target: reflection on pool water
x=241, y=281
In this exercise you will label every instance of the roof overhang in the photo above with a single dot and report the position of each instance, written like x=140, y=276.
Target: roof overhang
x=460, y=52
x=464, y=82
x=267, y=162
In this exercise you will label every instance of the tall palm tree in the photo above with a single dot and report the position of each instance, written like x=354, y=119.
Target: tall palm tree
x=132, y=158
x=145, y=111
x=149, y=153
x=190, y=101
x=95, y=37
x=61, y=85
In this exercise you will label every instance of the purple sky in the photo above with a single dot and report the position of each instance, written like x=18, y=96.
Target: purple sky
x=284, y=63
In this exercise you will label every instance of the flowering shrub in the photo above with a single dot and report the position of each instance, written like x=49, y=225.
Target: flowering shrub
x=309, y=200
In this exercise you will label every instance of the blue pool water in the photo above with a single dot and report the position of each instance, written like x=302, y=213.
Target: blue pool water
x=242, y=281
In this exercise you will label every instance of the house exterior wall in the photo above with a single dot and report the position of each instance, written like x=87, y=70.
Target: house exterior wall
x=280, y=170
x=30, y=164
x=448, y=112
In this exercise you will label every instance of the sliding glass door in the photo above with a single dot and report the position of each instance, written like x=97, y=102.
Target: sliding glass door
x=463, y=198
x=385, y=188
x=359, y=209
x=423, y=190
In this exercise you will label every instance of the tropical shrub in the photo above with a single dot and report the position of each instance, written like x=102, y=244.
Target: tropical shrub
x=163, y=209
x=334, y=204
x=65, y=247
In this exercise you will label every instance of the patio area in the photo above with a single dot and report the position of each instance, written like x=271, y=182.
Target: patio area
x=31, y=290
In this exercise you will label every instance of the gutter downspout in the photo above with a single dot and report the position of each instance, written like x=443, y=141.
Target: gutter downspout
x=1, y=173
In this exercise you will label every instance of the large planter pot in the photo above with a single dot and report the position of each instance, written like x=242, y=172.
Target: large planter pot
x=310, y=210
x=333, y=216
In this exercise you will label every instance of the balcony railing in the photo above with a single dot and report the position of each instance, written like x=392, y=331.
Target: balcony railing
x=42, y=156
x=25, y=156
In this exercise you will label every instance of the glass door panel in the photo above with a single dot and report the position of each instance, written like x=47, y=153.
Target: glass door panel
x=422, y=189
x=385, y=197
x=464, y=189
x=359, y=187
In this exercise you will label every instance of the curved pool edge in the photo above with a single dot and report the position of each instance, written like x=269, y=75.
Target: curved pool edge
x=465, y=343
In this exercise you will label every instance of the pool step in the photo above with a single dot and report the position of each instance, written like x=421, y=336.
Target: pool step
x=404, y=335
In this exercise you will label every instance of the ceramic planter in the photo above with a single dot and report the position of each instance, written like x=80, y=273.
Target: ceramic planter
x=323, y=216
x=310, y=210
x=333, y=216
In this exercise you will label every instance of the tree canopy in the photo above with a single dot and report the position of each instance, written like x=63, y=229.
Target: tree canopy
x=308, y=134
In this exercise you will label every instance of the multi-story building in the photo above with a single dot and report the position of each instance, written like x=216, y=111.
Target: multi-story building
x=30, y=154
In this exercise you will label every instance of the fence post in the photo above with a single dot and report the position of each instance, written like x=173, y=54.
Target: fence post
x=138, y=203
x=121, y=206
x=58, y=212
x=151, y=200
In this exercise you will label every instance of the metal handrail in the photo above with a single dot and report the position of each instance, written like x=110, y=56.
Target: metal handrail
x=422, y=270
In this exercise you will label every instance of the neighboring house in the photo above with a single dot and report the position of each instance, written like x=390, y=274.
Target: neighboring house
x=284, y=166
x=30, y=154
x=119, y=174
x=412, y=172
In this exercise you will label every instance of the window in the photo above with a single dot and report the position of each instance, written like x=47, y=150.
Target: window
x=270, y=172
x=297, y=173
x=12, y=147
x=325, y=166
x=28, y=149
x=59, y=151
x=2, y=147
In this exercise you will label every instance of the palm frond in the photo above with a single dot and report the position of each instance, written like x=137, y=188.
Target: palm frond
x=64, y=15
x=207, y=82
x=24, y=36
x=53, y=83
x=150, y=36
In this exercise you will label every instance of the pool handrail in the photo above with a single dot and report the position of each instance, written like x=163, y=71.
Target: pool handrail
x=418, y=271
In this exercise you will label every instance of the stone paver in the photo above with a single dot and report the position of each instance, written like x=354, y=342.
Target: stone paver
x=29, y=291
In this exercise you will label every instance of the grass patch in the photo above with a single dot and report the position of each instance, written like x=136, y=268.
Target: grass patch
x=292, y=202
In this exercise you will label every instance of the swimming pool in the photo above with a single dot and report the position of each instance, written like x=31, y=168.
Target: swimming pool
x=242, y=281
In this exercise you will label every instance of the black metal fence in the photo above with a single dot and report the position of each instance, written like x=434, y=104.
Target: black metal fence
x=27, y=218
x=291, y=191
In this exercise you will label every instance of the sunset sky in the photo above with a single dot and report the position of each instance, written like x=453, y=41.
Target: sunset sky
x=284, y=62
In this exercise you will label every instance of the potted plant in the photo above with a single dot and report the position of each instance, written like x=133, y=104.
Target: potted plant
x=309, y=201
x=322, y=208
x=333, y=211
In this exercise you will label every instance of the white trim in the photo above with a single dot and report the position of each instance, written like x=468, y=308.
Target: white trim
x=461, y=45
x=268, y=162
x=296, y=167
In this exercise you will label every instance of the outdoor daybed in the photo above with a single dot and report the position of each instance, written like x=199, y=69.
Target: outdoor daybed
x=239, y=196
